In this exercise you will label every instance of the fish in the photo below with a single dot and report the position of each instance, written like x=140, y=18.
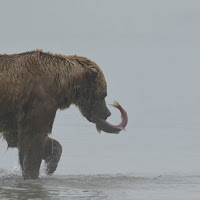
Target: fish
x=103, y=125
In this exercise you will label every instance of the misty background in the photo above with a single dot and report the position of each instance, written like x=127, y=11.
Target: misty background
x=149, y=53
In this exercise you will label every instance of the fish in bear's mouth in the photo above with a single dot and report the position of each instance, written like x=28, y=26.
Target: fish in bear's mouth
x=103, y=125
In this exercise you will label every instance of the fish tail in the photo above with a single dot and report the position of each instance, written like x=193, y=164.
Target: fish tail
x=115, y=104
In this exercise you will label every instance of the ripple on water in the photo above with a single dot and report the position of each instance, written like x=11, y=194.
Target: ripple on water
x=97, y=187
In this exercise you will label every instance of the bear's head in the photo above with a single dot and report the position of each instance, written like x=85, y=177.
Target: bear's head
x=90, y=91
x=92, y=94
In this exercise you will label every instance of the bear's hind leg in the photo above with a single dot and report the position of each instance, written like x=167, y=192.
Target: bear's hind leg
x=52, y=154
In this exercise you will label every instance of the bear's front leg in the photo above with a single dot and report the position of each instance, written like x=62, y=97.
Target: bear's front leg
x=31, y=147
x=33, y=127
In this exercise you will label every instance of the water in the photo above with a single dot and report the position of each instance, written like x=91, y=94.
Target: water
x=100, y=187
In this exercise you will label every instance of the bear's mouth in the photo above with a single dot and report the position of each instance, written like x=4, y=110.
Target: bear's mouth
x=103, y=125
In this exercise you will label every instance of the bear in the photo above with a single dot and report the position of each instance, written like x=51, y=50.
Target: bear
x=33, y=86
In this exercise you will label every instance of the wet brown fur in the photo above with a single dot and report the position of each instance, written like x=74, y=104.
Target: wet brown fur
x=33, y=85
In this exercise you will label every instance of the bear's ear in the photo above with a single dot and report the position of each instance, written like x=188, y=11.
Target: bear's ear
x=92, y=73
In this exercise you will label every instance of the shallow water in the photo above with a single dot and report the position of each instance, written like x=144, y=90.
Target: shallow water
x=100, y=187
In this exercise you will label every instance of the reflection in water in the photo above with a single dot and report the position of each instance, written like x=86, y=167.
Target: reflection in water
x=19, y=189
x=65, y=187
x=14, y=187
x=45, y=189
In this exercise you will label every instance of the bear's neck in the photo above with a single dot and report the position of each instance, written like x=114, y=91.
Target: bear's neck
x=70, y=81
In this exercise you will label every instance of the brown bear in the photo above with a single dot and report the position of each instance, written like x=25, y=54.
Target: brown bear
x=33, y=86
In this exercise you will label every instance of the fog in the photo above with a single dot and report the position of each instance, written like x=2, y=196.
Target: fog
x=149, y=53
